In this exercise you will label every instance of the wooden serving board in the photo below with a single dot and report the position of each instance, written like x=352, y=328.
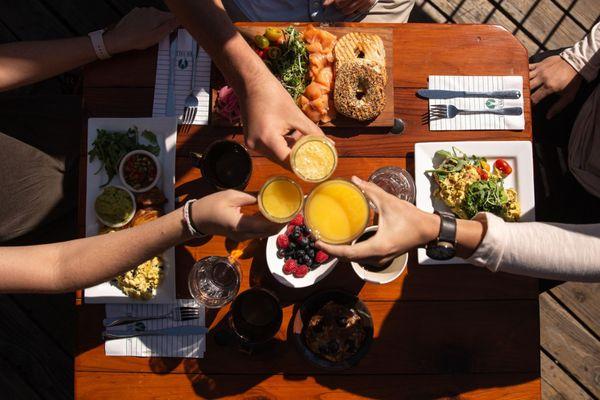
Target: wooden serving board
x=386, y=118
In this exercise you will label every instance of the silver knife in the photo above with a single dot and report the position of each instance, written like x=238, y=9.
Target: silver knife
x=170, y=106
x=175, y=331
x=451, y=94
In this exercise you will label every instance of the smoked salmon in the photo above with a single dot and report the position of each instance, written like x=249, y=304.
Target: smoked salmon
x=315, y=102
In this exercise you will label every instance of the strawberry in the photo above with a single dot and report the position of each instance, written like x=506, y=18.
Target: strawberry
x=283, y=241
x=290, y=266
x=301, y=271
x=298, y=220
x=321, y=257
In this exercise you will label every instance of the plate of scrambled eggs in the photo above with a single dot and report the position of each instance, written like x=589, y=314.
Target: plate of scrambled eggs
x=470, y=177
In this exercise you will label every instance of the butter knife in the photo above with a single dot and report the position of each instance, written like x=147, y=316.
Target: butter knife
x=451, y=94
x=175, y=331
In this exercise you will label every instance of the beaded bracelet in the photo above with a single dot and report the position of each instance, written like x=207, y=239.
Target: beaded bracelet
x=188, y=221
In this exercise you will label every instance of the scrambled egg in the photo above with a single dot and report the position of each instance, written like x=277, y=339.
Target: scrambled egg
x=452, y=189
x=142, y=281
x=512, y=209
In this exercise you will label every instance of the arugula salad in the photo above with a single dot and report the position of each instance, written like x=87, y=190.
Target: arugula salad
x=468, y=185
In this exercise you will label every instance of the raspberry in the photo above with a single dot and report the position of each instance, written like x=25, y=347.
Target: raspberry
x=290, y=266
x=289, y=230
x=301, y=271
x=283, y=241
x=298, y=220
x=321, y=257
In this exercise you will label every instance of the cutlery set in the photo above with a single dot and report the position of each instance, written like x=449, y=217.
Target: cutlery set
x=136, y=328
x=440, y=111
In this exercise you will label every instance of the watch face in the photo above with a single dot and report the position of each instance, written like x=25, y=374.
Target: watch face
x=441, y=251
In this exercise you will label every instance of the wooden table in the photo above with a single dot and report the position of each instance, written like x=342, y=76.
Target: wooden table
x=439, y=330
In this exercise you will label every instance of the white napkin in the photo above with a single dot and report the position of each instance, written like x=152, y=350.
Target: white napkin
x=188, y=346
x=478, y=121
x=181, y=80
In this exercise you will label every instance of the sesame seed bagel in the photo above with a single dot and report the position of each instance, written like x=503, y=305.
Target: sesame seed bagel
x=359, y=90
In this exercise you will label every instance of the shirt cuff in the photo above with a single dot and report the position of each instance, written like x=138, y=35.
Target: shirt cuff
x=491, y=249
x=578, y=63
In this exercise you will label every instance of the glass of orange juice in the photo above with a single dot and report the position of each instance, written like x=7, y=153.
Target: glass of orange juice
x=313, y=158
x=280, y=199
x=336, y=211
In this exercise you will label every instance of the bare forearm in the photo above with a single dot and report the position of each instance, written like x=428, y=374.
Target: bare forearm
x=211, y=27
x=85, y=262
x=23, y=63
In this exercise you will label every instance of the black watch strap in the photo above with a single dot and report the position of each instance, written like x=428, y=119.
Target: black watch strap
x=447, y=227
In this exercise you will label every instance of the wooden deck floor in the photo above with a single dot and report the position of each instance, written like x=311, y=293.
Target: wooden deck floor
x=36, y=335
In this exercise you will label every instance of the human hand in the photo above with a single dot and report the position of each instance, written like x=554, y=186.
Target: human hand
x=350, y=7
x=220, y=214
x=272, y=121
x=554, y=75
x=139, y=29
x=402, y=226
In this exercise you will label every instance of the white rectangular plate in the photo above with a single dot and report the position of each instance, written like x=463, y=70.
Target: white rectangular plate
x=165, y=129
x=517, y=153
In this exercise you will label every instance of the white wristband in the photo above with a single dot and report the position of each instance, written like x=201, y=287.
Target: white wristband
x=188, y=220
x=98, y=44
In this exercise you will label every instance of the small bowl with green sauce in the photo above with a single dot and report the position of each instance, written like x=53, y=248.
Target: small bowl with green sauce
x=380, y=274
x=115, y=206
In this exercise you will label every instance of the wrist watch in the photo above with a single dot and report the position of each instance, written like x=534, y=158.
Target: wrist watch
x=444, y=247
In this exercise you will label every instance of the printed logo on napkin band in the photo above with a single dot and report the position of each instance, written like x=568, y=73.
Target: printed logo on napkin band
x=493, y=104
x=182, y=63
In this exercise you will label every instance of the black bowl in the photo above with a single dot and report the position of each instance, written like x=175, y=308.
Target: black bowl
x=310, y=307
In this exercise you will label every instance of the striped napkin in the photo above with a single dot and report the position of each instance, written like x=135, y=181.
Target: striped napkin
x=174, y=78
x=478, y=121
x=188, y=346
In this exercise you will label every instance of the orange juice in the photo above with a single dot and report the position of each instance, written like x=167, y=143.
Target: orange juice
x=313, y=158
x=336, y=211
x=280, y=199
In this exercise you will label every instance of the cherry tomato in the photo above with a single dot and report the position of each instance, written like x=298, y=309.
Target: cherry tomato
x=483, y=173
x=273, y=34
x=261, y=53
x=280, y=40
x=502, y=166
x=261, y=42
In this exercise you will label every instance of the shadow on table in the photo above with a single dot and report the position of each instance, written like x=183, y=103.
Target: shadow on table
x=424, y=348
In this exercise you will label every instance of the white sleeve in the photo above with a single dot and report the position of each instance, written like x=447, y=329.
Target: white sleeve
x=541, y=250
x=584, y=56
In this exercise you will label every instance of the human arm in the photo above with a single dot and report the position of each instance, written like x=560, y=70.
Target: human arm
x=75, y=264
x=268, y=111
x=23, y=63
x=541, y=250
x=564, y=74
x=350, y=7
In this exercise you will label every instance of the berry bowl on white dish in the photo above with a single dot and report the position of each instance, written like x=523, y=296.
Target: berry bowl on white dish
x=294, y=275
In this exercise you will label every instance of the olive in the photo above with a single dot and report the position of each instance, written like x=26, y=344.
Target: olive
x=261, y=42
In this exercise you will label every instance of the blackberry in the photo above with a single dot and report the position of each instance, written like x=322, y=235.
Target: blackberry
x=303, y=242
x=301, y=252
x=311, y=252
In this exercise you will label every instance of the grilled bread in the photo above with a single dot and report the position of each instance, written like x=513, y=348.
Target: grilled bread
x=359, y=89
x=356, y=45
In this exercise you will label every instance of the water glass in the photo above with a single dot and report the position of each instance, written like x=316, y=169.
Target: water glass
x=215, y=281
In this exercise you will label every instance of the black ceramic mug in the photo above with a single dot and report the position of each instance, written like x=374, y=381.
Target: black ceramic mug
x=255, y=317
x=225, y=164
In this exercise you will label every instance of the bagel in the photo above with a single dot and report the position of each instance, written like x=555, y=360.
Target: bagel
x=359, y=90
x=361, y=46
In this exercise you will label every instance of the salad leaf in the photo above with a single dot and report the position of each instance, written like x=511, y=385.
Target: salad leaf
x=291, y=67
x=488, y=196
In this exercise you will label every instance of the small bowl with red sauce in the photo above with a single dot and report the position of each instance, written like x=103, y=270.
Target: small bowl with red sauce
x=139, y=171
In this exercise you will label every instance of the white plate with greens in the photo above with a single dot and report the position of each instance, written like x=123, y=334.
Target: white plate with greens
x=165, y=134
x=518, y=154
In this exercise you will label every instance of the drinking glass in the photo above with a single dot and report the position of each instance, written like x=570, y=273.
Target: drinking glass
x=214, y=281
x=396, y=181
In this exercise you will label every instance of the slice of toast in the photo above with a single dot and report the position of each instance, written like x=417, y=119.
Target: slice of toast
x=357, y=45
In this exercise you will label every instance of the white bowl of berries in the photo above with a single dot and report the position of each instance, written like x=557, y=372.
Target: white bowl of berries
x=293, y=258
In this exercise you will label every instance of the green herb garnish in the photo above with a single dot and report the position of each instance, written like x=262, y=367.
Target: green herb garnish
x=291, y=65
x=110, y=147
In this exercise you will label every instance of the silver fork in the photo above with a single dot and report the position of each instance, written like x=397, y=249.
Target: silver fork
x=176, y=314
x=439, y=111
x=191, y=102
